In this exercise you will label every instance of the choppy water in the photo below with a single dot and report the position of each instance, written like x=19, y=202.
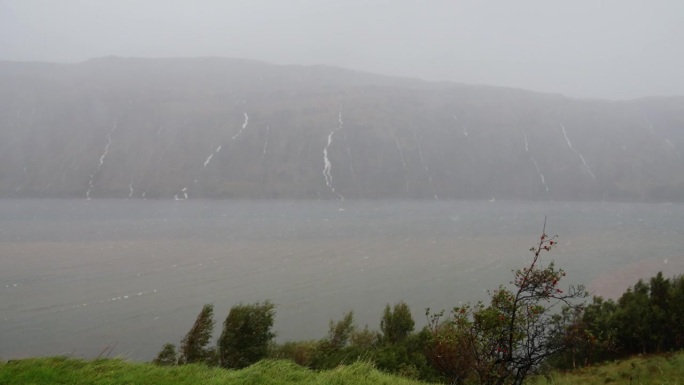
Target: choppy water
x=78, y=276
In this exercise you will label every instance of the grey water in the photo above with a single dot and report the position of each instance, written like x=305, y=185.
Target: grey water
x=82, y=277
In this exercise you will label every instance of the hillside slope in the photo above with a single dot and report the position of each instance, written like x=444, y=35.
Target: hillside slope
x=230, y=128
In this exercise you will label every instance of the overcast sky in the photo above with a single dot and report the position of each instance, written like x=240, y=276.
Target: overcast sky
x=613, y=49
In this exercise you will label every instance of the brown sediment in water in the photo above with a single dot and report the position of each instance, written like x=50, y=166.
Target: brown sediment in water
x=616, y=282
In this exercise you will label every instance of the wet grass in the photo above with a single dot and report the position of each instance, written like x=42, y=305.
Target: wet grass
x=661, y=370
x=665, y=369
x=59, y=370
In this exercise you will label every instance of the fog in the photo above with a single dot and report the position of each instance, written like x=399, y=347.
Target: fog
x=617, y=49
x=226, y=152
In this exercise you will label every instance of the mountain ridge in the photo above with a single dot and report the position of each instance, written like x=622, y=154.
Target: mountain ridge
x=229, y=128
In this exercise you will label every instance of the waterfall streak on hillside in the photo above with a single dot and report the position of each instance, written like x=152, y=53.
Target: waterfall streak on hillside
x=244, y=125
x=90, y=187
x=536, y=165
x=206, y=162
x=565, y=135
x=102, y=158
x=327, y=165
x=106, y=149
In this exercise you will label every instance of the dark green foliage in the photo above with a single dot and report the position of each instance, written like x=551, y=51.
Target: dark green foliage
x=193, y=348
x=659, y=316
x=582, y=345
x=648, y=318
x=397, y=323
x=246, y=334
x=406, y=358
x=346, y=344
x=340, y=332
x=335, y=350
x=677, y=312
x=167, y=356
x=632, y=316
x=300, y=352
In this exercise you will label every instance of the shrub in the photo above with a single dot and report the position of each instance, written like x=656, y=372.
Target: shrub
x=246, y=334
x=193, y=346
x=340, y=332
x=364, y=338
x=167, y=356
x=396, y=323
x=506, y=341
x=300, y=352
x=406, y=358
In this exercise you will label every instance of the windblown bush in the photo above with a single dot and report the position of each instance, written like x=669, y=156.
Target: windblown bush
x=246, y=334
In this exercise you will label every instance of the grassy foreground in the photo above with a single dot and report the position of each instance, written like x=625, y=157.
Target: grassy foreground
x=667, y=369
x=662, y=369
x=59, y=370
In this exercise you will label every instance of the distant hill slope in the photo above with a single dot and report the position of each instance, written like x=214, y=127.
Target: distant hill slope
x=230, y=128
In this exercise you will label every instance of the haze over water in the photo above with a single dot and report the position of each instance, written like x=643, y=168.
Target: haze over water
x=78, y=276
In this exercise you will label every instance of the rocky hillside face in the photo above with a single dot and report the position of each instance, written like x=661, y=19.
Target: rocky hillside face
x=228, y=128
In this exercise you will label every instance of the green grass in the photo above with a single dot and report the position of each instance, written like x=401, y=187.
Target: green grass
x=59, y=370
x=662, y=369
x=666, y=369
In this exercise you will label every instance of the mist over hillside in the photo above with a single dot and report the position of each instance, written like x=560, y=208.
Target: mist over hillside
x=230, y=128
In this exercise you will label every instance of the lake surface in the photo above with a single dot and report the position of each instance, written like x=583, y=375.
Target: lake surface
x=80, y=276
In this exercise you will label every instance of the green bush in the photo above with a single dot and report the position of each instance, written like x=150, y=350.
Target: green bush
x=167, y=356
x=300, y=352
x=364, y=338
x=397, y=323
x=193, y=348
x=406, y=358
x=246, y=334
x=340, y=332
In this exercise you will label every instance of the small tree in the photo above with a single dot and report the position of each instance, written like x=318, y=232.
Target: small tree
x=167, y=356
x=396, y=324
x=246, y=334
x=340, y=332
x=504, y=342
x=193, y=346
